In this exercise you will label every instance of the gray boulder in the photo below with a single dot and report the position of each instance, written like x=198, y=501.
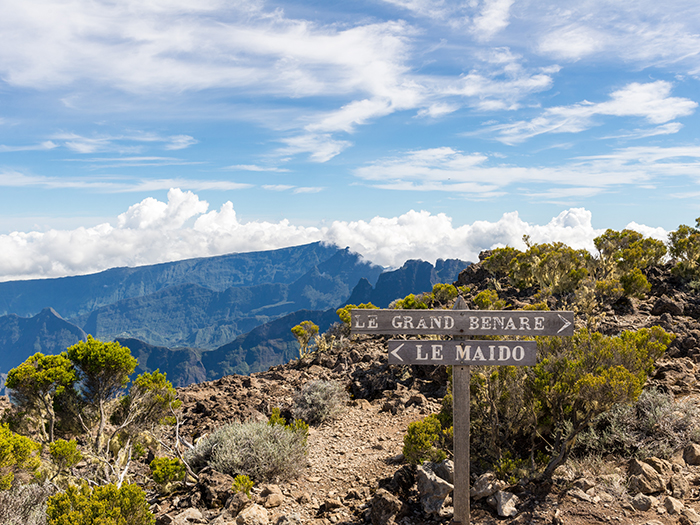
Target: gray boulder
x=384, y=507
x=504, y=503
x=644, y=478
x=432, y=490
x=486, y=485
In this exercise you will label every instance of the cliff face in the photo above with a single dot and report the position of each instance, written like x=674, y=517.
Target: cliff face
x=47, y=332
x=231, y=314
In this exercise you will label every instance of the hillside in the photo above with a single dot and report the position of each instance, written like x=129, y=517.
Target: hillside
x=355, y=472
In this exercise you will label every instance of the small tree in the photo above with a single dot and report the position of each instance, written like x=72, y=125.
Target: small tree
x=685, y=247
x=65, y=454
x=103, y=371
x=150, y=400
x=304, y=333
x=36, y=382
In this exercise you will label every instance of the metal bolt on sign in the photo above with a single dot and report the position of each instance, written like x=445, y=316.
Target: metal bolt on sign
x=461, y=353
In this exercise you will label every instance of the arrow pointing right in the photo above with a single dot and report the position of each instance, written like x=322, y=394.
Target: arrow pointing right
x=567, y=323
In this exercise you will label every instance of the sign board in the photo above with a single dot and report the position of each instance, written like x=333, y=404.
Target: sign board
x=527, y=323
x=462, y=353
x=504, y=353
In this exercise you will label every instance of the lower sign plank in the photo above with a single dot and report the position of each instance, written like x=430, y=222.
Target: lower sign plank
x=512, y=353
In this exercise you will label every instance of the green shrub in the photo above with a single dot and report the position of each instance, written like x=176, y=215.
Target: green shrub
x=104, y=505
x=344, y=312
x=298, y=426
x=635, y=284
x=17, y=453
x=256, y=449
x=411, y=302
x=276, y=418
x=684, y=245
x=65, y=454
x=242, y=483
x=25, y=504
x=488, y=300
x=422, y=440
x=319, y=401
x=167, y=470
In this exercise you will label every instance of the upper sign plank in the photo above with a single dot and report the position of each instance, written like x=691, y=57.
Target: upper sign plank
x=462, y=322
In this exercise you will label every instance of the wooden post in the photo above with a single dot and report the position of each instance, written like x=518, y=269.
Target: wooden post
x=461, y=376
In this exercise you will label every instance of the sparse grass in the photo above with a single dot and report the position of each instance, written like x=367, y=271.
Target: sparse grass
x=319, y=401
x=656, y=425
x=25, y=504
x=606, y=474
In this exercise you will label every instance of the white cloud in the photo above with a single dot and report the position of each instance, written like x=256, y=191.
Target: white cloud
x=321, y=146
x=11, y=178
x=255, y=167
x=180, y=142
x=127, y=143
x=651, y=101
x=479, y=176
x=572, y=42
x=308, y=189
x=492, y=18
x=152, y=231
x=44, y=146
x=644, y=32
x=154, y=50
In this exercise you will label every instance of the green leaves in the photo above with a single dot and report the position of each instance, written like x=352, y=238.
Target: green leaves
x=37, y=381
x=106, y=505
x=16, y=453
x=103, y=368
x=685, y=247
x=422, y=440
x=583, y=376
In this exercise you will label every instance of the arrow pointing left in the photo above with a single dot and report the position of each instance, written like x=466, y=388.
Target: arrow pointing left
x=395, y=352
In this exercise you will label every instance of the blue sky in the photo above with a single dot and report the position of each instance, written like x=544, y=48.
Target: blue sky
x=136, y=132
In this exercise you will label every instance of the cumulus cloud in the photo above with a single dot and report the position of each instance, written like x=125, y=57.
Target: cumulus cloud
x=153, y=231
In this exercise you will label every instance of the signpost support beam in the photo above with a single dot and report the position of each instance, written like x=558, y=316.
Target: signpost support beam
x=461, y=377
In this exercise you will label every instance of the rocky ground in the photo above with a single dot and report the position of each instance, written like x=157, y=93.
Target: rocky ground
x=355, y=472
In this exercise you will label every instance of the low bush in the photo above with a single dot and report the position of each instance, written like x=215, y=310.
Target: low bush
x=423, y=441
x=17, y=454
x=655, y=425
x=242, y=483
x=319, y=401
x=65, y=454
x=167, y=470
x=106, y=504
x=257, y=449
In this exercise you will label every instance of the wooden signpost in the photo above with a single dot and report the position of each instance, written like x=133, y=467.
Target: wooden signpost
x=461, y=353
